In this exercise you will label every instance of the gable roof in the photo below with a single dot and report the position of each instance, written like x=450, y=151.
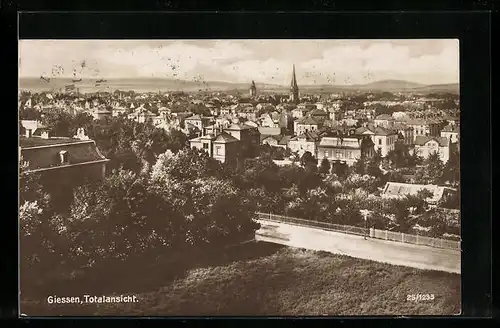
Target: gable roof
x=307, y=121
x=395, y=189
x=239, y=127
x=422, y=140
x=225, y=138
x=284, y=140
x=384, y=117
x=318, y=112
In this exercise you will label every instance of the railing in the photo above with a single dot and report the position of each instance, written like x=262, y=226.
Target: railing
x=316, y=224
x=368, y=232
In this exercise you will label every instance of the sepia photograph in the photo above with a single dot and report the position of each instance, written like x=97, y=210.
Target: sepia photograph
x=244, y=177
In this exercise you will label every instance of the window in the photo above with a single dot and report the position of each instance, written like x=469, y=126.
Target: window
x=349, y=154
x=218, y=150
x=326, y=153
x=379, y=141
x=205, y=146
x=63, y=155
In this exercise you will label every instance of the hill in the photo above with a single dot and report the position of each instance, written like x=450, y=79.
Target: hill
x=161, y=84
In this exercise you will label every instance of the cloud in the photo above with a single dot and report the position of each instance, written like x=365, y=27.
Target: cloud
x=357, y=64
x=265, y=61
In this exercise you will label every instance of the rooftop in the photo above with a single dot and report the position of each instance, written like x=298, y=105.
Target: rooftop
x=225, y=138
x=37, y=142
x=422, y=140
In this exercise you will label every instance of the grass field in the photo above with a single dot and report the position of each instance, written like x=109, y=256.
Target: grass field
x=287, y=281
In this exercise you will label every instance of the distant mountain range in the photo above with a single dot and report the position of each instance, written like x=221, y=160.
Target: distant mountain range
x=160, y=84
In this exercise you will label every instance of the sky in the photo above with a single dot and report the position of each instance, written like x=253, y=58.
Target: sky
x=340, y=62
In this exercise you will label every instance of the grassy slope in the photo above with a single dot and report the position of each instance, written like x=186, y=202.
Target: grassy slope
x=285, y=281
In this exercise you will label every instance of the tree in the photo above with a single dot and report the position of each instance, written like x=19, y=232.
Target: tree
x=58, y=121
x=309, y=162
x=359, y=166
x=401, y=212
x=187, y=164
x=432, y=170
x=451, y=170
x=324, y=166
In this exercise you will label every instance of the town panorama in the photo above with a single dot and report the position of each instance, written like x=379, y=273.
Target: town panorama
x=178, y=196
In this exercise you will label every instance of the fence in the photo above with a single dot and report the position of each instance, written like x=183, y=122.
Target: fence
x=372, y=233
x=316, y=224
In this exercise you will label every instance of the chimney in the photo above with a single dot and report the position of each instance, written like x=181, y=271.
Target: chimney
x=28, y=133
x=45, y=135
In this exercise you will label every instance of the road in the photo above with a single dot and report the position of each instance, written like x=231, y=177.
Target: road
x=415, y=256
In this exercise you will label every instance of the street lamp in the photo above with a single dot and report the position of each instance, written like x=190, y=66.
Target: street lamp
x=365, y=217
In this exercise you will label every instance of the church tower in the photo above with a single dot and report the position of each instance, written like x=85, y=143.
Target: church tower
x=253, y=89
x=294, y=88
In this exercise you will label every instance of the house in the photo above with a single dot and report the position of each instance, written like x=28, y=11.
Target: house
x=332, y=114
x=269, y=120
x=383, y=139
x=305, y=124
x=452, y=120
x=272, y=140
x=452, y=132
x=119, y=112
x=101, y=113
x=269, y=131
x=427, y=145
x=319, y=115
x=305, y=142
x=399, y=190
x=198, y=121
x=405, y=133
x=299, y=113
x=384, y=120
x=220, y=146
x=424, y=128
x=249, y=137
x=347, y=149
x=63, y=161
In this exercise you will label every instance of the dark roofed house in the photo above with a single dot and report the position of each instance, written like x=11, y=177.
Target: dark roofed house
x=398, y=190
x=305, y=124
x=347, y=149
x=62, y=163
x=427, y=145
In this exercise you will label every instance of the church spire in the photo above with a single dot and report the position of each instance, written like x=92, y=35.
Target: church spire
x=294, y=85
x=253, y=89
x=294, y=88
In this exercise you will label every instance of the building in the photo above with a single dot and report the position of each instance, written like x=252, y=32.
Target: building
x=347, y=149
x=305, y=142
x=426, y=145
x=384, y=120
x=399, y=190
x=197, y=121
x=294, y=89
x=405, y=133
x=101, y=113
x=249, y=137
x=220, y=146
x=425, y=128
x=319, y=115
x=305, y=124
x=253, y=90
x=452, y=132
x=383, y=139
x=63, y=162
